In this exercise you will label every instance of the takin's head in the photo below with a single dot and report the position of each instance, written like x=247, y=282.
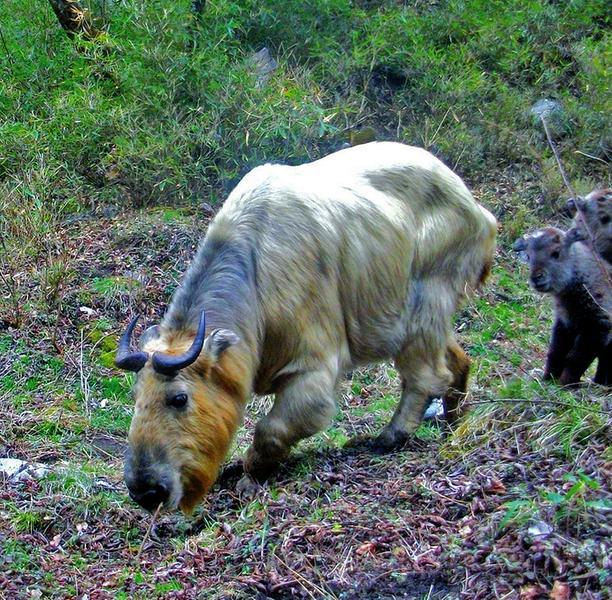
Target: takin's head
x=187, y=407
x=593, y=221
x=547, y=251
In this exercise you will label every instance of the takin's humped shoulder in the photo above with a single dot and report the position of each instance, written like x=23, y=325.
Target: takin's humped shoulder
x=306, y=271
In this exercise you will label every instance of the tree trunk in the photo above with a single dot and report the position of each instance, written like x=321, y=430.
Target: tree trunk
x=74, y=19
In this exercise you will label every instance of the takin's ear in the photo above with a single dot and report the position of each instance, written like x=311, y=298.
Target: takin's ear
x=218, y=342
x=520, y=247
x=573, y=235
x=151, y=333
x=574, y=205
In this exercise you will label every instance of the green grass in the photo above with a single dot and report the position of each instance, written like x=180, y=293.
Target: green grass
x=133, y=113
x=19, y=555
x=109, y=286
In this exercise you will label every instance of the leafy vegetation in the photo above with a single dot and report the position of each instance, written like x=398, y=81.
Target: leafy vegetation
x=108, y=150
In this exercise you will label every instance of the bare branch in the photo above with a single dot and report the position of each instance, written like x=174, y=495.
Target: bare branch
x=557, y=157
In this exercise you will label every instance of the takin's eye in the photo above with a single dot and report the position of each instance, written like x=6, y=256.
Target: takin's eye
x=554, y=254
x=605, y=219
x=177, y=400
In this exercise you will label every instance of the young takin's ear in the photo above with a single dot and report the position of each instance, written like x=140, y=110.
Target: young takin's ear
x=574, y=235
x=520, y=247
x=151, y=333
x=218, y=342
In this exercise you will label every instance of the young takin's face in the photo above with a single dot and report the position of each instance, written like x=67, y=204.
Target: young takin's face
x=545, y=251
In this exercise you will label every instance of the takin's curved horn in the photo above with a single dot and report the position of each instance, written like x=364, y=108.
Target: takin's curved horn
x=167, y=364
x=126, y=360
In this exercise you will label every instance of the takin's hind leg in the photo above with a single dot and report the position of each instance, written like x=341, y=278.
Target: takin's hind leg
x=422, y=375
x=458, y=363
x=305, y=406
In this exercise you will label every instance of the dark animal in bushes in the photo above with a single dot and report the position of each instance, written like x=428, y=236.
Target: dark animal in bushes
x=304, y=273
x=571, y=272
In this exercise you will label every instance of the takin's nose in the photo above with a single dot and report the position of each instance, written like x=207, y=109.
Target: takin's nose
x=145, y=481
x=538, y=278
x=151, y=498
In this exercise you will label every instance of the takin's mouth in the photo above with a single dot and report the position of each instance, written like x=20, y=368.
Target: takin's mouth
x=541, y=286
x=154, y=487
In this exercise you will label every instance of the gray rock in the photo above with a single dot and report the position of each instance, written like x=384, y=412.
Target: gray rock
x=540, y=530
x=554, y=115
x=262, y=64
x=18, y=470
x=435, y=410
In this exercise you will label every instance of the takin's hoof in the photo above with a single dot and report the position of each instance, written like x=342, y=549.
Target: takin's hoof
x=390, y=440
x=360, y=442
x=387, y=441
x=247, y=488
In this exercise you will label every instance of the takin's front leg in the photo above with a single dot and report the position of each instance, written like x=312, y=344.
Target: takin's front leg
x=561, y=342
x=422, y=375
x=304, y=406
x=579, y=358
x=603, y=375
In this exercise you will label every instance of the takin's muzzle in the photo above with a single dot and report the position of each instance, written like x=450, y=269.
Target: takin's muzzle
x=150, y=479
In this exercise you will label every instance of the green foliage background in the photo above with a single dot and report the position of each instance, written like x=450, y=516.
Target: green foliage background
x=165, y=109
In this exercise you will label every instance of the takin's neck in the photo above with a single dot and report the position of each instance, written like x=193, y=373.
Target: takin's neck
x=221, y=280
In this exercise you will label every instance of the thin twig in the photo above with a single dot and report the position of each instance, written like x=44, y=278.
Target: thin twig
x=557, y=157
x=84, y=380
x=145, y=539
x=8, y=54
x=601, y=160
x=300, y=579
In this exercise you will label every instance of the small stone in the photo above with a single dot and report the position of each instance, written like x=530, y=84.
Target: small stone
x=554, y=115
x=11, y=466
x=263, y=65
x=110, y=212
x=540, y=530
x=90, y=312
x=435, y=410
x=18, y=470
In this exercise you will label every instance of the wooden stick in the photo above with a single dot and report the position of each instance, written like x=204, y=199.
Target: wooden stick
x=8, y=54
x=557, y=157
x=148, y=533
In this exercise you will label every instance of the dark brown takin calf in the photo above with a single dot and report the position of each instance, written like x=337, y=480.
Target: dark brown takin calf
x=572, y=273
x=593, y=221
